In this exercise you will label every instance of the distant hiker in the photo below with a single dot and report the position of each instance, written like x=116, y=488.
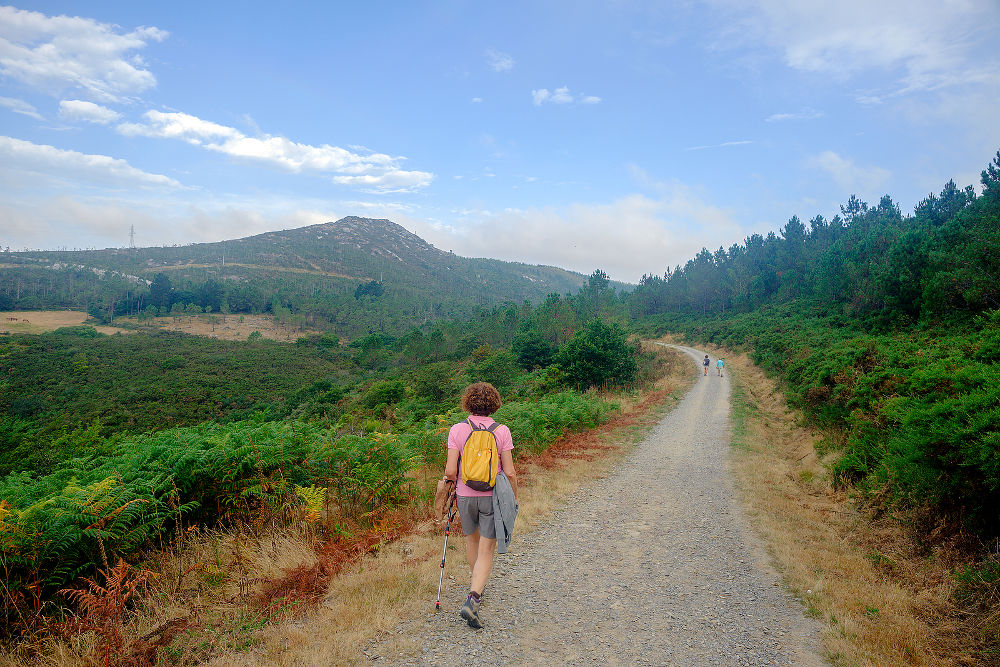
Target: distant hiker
x=480, y=456
x=720, y=364
x=705, y=363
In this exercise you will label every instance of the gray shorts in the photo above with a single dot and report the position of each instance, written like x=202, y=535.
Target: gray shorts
x=477, y=513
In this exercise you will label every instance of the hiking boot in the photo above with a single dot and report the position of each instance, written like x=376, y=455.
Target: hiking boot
x=470, y=612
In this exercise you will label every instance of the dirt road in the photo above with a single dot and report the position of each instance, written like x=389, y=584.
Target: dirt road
x=653, y=565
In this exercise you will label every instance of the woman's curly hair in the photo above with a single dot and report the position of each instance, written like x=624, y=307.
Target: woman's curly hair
x=481, y=399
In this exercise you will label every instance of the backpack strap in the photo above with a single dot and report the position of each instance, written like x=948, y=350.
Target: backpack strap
x=474, y=428
x=491, y=428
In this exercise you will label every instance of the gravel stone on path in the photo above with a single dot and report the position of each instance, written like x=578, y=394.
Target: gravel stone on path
x=654, y=564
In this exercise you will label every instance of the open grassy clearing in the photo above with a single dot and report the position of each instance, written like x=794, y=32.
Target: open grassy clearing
x=227, y=327
x=223, y=327
x=40, y=321
x=884, y=600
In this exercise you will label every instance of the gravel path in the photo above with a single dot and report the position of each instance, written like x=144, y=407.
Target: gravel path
x=654, y=564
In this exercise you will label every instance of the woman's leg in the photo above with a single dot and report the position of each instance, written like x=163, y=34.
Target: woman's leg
x=472, y=550
x=483, y=564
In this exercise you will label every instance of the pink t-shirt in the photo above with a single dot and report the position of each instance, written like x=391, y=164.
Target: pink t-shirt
x=456, y=440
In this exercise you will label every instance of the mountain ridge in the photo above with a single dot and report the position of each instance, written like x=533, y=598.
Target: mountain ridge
x=380, y=236
x=322, y=269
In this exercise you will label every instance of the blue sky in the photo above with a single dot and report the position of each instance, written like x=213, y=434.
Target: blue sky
x=615, y=135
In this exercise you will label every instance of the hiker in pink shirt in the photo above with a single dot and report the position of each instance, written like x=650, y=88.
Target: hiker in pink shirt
x=476, y=507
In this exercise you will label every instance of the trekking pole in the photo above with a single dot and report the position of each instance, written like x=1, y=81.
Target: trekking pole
x=447, y=532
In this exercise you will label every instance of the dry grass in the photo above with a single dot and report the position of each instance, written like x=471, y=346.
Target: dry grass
x=204, y=601
x=40, y=321
x=883, y=601
x=226, y=327
x=208, y=600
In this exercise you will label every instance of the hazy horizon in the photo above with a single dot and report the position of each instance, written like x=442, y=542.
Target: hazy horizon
x=613, y=136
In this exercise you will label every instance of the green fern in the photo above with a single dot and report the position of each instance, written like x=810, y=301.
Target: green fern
x=61, y=526
x=314, y=499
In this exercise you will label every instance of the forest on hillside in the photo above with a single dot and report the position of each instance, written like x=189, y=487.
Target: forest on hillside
x=354, y=276
x=870, y=265
x=885, y=330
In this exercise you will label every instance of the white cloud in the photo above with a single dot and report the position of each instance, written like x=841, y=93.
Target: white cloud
x=51, y=162
x=70, y=221
x=249, y=121
x=929, y=50
x=395, y=181
x=190, y=216
x=375, y=172
x=922, y=38
x=627, y=237
x=743, y=142
x=24, y=230
x=21, y=107
x=87, y=111
x=213, y=223
x=54, y=54
x=539, y=96
x=477, y=100
x=561, y=96
x=499, y=61
x=805, y=114
x=181, y=126
x=64, y=221
x=868, y=100
x=375, y=208
x=852, y=178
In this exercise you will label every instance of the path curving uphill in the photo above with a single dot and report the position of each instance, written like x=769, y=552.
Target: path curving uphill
x=654, y=564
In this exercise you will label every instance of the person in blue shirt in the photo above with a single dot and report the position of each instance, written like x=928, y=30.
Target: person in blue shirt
x=705, y=363
x=720, y=364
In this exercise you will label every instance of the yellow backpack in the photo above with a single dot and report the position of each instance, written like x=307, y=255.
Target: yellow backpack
x=480, y=459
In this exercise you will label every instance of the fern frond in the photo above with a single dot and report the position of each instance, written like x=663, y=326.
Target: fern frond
x=314, y=498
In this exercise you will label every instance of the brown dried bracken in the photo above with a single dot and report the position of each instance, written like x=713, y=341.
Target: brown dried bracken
x=102, y=608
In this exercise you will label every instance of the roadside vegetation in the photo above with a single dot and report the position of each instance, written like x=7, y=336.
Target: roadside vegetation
x=120, y=449
x=886, y=595
x=883, y=331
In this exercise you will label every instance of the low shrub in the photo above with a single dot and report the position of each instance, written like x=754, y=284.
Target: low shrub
x=95, y=509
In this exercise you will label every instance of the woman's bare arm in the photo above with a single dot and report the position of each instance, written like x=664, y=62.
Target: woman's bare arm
x=451, y=467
